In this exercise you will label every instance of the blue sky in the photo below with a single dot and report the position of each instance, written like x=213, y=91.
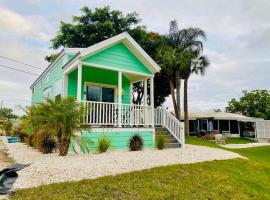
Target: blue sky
x=238, y=43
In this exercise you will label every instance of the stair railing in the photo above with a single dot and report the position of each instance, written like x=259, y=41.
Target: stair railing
x=174, y=126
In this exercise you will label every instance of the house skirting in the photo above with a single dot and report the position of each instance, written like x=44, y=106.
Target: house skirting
x=87, y=140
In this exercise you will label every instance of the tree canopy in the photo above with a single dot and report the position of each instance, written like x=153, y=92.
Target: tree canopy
x=255, y=103
x=7, y=113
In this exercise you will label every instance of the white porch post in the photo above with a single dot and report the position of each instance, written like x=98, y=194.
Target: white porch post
x=79, y=83
x=65, y=86
x=152, y=99
x=145, y=91
x=119, y=98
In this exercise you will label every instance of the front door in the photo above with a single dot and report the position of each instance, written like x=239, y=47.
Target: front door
x=101, y=113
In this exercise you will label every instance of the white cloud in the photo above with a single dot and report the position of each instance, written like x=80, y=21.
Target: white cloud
x=33, y=26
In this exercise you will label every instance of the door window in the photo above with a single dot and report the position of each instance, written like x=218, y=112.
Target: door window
x=100, y=94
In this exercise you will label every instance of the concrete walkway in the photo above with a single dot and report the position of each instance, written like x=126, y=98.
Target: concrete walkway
x=241, y=146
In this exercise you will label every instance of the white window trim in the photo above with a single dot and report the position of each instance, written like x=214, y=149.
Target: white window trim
x=100, y=85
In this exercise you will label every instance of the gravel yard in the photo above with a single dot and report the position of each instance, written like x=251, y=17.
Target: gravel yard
x=51, y=168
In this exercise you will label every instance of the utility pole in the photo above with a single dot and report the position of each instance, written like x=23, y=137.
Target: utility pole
x=1, y=108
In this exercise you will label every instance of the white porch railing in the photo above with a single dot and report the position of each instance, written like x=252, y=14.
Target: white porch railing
x=169, y=121
x=104, y=113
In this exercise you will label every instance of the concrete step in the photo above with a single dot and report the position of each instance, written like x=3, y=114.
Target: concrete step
x=173, y=145
x=171, y=141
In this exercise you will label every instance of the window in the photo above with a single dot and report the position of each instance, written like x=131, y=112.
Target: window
x=47, y=92
x=58, y=88
x=98, y=93
x=57, y=98
x=33, y=90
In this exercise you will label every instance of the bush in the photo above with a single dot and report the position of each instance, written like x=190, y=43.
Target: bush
x=42, y=141
x=136, y=143
x=161, y=141
x=19, y=132
x=7, y=126
x=30, y=140
x=103, y=144
x=48, y=144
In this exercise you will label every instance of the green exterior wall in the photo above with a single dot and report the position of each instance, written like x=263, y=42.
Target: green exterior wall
x=52, y=79
x=118, y=139
x=118, y=56
x=98, y=76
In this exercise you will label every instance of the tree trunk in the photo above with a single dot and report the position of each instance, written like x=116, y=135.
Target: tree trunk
x=173, y=98
x=186, y=106
x=63, y=146
x=178, y=98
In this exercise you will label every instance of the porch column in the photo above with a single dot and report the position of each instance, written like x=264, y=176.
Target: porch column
x=79, y=83
x=145, y=91
x=119, y=98
x=152, y=99
x=65, y=86
x=131, y=93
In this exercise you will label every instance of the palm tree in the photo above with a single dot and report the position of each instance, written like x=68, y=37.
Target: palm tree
x=191, y=62
x=64, y=116
x=167, y=58
x=183, y=40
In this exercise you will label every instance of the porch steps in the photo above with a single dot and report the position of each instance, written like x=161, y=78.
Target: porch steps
x=171, y=141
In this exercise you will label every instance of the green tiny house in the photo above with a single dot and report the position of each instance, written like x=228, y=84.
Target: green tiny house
x=101, y=77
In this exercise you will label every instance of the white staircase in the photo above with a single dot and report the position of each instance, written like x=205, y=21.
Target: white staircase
x=165, y=119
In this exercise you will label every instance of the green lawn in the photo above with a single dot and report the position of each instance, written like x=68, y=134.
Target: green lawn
x=230, y=179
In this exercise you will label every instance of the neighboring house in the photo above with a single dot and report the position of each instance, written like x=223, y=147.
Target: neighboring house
x=229, y=124
x=102, y=76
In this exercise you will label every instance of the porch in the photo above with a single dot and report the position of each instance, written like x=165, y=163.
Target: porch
x=107, y=96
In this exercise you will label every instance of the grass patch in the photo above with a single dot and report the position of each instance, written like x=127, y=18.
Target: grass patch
x=229, y=179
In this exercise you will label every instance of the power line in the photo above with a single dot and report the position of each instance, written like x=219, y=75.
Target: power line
x=18, y=70
x=20, y=62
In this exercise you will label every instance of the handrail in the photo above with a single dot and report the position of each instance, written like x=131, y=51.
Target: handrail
x=169, y=121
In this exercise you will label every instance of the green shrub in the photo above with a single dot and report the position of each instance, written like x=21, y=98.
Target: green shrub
x=7, y=126
x=136, y=143
x=42, y=141
x=19, y=132
x=161, y=141
x=103, y=144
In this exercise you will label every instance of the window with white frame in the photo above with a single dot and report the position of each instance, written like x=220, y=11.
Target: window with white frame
x=100, y=93
x=47, y=92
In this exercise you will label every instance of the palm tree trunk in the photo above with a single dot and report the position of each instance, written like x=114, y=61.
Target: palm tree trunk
x=178, y=98
x=186, y=106
x=63, y=146
x=173, y=98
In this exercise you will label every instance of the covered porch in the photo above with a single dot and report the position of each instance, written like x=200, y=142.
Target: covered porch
x=106, y=93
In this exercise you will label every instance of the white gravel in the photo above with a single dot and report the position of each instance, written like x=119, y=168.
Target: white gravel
x=51, y=168
x=241, y=146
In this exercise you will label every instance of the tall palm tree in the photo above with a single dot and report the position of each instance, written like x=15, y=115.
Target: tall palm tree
x=173, y=39
x=191, y=62
x=167, y=58
x=183, y=40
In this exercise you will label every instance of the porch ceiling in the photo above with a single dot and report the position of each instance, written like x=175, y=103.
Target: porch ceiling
x=135, y=77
